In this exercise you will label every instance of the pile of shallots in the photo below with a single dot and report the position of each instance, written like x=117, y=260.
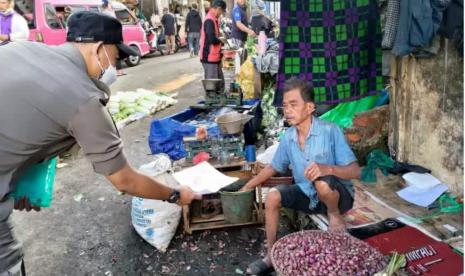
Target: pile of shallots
x=325, y=253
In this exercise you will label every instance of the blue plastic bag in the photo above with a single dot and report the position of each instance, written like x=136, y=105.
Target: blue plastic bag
x=166, y=136
x=36, y=183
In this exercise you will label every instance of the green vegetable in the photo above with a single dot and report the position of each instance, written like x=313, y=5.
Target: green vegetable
x=250, y=45
x=124, y=104
x=142, y=110
x=397, y=262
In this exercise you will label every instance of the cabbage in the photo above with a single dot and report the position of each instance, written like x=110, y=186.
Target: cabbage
x=123, y=104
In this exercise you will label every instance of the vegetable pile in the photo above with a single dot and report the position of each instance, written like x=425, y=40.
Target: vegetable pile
x=124, y=104
x=251, y=45
x=317, y=252
x=270, y=113
x=397, y=262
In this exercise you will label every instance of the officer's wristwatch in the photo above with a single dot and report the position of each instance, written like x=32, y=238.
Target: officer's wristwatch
x=174, y=197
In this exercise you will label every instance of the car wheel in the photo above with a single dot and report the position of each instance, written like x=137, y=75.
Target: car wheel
x=132, y=61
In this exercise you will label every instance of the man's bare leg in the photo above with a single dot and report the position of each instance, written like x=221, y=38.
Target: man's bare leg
x=331, y=199
x=273, y=206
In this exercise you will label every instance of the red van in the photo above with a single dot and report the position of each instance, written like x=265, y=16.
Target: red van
x=47, y=22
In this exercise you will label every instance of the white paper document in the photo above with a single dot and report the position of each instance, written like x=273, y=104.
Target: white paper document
x=422, y=198
x=203, y=178
x=421, y=181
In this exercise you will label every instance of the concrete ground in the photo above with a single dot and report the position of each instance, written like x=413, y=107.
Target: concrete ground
x=94, y=236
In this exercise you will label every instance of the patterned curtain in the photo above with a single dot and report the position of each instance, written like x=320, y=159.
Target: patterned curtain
x=334, y=44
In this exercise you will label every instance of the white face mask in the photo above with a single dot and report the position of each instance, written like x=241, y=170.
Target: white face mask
x=109, y=75
x=6, y=12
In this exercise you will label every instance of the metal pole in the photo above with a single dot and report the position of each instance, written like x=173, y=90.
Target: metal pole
x=202, y=9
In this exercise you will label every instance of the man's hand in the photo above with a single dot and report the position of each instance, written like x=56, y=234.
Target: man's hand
x=187, y=195
x=4, y=38
x=264, y=175
x=245, y=188
x=23, y=203
x=201, y=133
x=315, y=170
x=251, y=33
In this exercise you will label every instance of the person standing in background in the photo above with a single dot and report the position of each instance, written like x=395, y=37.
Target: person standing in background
x=210, y=44
x=193, y=26
x=13, y=27
x=107, y=9
x=134, y=8
x=258, y=20
x=168, y=23
x=178, y=19
x=240, y=31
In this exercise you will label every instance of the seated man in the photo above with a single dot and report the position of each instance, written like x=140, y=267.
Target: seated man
x=322, y=164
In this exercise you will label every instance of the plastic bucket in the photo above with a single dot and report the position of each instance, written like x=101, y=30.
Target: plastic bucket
x=237, y=206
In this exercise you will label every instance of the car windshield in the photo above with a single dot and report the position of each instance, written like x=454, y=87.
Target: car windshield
x=125, y=17
x=52, y=17
x=64, y=12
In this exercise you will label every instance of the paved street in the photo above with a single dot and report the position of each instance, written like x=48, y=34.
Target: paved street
x=95, y=237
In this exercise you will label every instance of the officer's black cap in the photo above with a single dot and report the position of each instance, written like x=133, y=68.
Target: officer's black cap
x=87, y=26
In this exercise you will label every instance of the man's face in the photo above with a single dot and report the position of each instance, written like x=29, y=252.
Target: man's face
x=241, y=3
x=295, y=109
x=101, y=60
x=218, y=12
x=109, y=50
x=4, y=5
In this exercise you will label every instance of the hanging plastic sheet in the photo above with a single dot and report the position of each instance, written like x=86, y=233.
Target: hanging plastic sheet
x=343, y=113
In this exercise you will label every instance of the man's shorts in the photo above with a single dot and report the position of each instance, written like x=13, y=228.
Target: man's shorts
x=293, y=197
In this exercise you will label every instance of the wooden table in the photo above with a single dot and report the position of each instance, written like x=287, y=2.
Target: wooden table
x=196, y=223
x=237, y=163
x=192, y=223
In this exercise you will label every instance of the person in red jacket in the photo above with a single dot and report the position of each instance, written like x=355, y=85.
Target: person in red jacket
x=210, y=44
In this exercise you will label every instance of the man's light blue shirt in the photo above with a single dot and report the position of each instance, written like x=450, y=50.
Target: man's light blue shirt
x=325, y=144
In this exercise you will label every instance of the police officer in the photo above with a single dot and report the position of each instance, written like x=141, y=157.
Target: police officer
x=54, y=97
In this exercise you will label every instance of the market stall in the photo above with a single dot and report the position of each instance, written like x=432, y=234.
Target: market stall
x=343, y=88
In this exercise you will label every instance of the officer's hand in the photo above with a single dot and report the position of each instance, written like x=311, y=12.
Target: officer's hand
x=187, y=195
x=23, y=203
